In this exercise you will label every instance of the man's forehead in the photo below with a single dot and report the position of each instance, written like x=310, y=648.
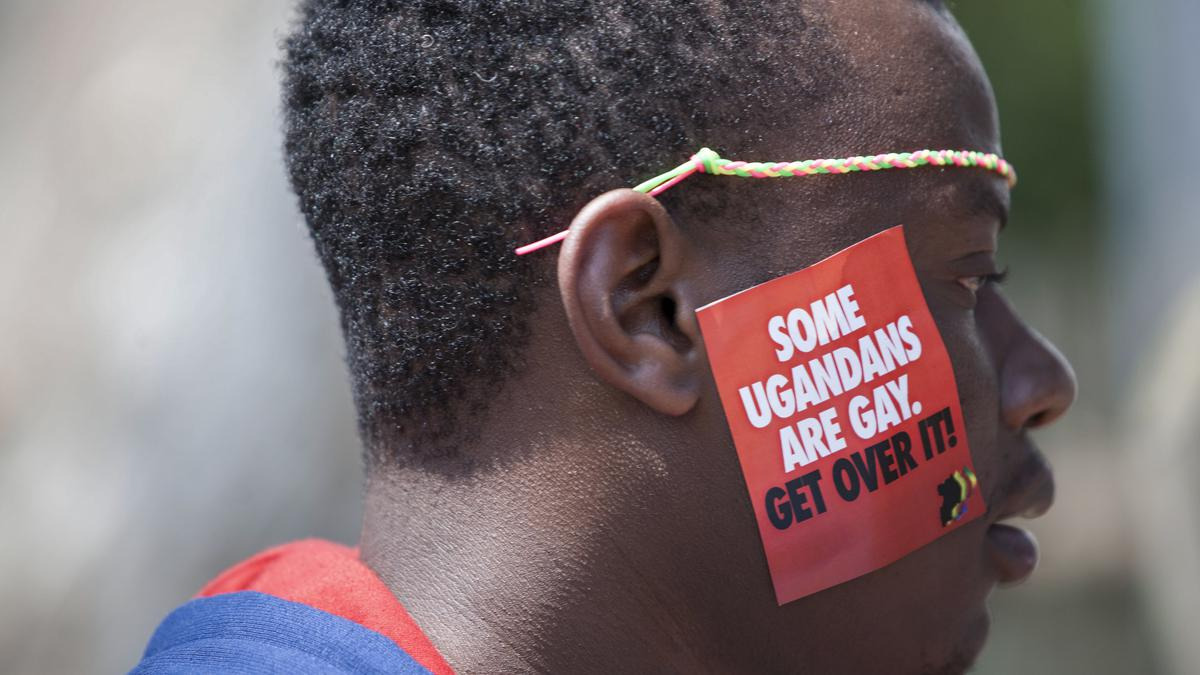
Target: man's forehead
x=915, y=82
x=912, y=81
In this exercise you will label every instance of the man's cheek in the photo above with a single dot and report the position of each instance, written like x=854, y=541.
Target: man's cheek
x=844, y=407
x=978, y=387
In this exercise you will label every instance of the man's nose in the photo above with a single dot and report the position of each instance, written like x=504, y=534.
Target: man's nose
x=1037, y=384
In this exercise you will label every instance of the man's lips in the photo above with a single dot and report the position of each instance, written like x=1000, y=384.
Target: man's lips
x=1014, y=550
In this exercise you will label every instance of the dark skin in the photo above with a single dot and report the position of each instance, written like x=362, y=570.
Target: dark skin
x=604, y=524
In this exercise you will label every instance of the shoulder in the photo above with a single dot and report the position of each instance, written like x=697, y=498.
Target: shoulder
x=253, y=632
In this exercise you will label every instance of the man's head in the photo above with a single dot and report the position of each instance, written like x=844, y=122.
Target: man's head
x=426, y=140
x=544, y=433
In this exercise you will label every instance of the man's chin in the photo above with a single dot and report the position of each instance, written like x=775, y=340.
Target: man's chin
x=967, y=650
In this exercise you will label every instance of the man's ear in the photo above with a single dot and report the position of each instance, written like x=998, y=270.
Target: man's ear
x=622, y=275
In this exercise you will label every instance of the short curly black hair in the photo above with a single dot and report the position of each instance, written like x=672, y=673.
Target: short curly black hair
x=427, y=138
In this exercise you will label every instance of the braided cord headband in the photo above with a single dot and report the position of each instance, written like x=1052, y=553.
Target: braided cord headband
x=707, y=161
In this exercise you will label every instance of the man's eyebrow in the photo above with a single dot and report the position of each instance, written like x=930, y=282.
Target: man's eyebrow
x=987, y=200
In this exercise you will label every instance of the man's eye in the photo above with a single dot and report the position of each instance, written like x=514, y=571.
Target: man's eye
x=975, y=283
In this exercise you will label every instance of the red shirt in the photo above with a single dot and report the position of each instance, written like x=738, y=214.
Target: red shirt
x=330, y=577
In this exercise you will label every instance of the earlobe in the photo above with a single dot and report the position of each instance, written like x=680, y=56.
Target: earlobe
x=623, y=273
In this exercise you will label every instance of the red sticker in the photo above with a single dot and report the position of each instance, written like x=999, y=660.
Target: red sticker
x=845, y=414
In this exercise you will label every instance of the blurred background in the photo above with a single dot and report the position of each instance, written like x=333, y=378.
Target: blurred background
x=172, y=397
